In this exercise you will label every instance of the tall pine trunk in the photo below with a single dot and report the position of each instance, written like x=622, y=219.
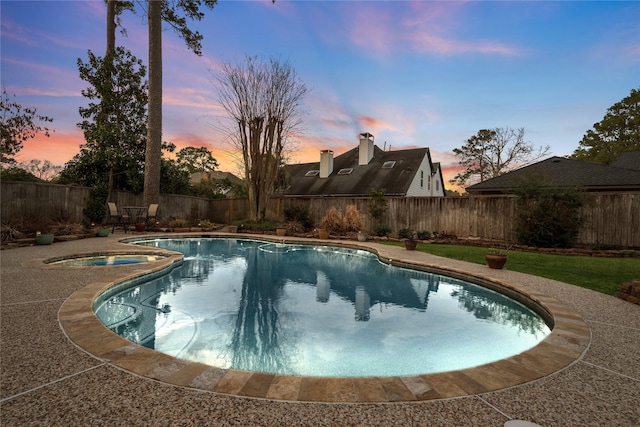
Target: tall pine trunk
x=153, y=153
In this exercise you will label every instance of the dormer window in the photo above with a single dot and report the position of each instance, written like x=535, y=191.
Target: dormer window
x=312, y=173
x=389, y=164
x=345, y=171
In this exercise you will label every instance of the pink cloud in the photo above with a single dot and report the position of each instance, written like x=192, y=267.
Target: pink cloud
x=424, y=28
x=15, y=32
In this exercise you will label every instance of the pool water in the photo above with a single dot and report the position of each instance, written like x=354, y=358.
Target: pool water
x=315, y=311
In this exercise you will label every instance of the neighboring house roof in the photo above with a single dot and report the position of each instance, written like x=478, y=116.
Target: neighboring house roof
x=215, y=176
x=627, y=160
x=563, y=172
x=362, y=178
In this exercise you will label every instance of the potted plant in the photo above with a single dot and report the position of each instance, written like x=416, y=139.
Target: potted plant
x=410, y=239
x=331, y=222
x=410, y=244
x=140, y=226
x=497, y=258
x=102, y=232
x=206, y=225
x=281, y=230
x=352, y=222
x=44, y=238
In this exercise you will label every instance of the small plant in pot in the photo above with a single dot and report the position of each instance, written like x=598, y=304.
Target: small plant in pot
x=410, y=239
x=497, y=258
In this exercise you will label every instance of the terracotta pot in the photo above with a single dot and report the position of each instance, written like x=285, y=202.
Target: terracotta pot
x=281, y=231
x=410, y=244
x=496, y=261
x=140, y=226
x=323, y=234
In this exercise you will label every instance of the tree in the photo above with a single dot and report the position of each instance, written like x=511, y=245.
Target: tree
x=263, y=101
x=17, y=125
x=114, y=127
x=45, y=171
x=15, y=173
x=617, y=132
x=158, y=11
x=114, y=122
x=197, y=159
x=493, y=152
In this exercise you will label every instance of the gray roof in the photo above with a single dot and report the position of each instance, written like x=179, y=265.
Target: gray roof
x=627, y=160
x=563, y=172
x=362, y=179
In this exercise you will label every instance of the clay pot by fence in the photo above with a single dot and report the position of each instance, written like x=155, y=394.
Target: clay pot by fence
x=496, y=261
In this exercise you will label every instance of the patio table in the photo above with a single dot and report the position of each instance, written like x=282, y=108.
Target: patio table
x=135, y=214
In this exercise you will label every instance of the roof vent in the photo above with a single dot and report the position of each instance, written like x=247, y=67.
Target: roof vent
x=389, y=164
x=345, y=171
x=312, y=173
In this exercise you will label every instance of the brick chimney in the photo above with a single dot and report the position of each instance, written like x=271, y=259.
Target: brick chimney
x=365, y=149
x=326, y=163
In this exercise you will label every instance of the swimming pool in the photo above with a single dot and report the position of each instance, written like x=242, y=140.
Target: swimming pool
x=315, y=311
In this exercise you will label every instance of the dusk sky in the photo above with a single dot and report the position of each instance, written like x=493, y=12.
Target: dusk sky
x=412, y=73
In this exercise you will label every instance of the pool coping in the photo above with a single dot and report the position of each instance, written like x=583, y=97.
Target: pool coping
x=566, y=344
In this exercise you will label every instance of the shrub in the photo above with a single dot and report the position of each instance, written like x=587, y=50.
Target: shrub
x=258, y=225
x=299, y=215
x=381, y=230
x=547, y=217
x=352, y=220
x=378, y=204
x=424, y=235
x=332, y=221
x=404, y=233
x=96, y=208
x=178, y=223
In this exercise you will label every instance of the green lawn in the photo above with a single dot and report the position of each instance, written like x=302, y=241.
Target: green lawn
x=599, y=274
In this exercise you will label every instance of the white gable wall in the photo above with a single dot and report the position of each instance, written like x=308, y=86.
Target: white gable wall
x=425, y=184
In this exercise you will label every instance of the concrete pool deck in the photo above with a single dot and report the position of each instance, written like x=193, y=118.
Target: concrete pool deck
x=59, y=368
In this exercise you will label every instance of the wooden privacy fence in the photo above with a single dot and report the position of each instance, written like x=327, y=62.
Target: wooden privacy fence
x=611, y=218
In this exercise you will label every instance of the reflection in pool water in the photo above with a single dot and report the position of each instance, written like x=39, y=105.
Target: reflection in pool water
x=316, y=311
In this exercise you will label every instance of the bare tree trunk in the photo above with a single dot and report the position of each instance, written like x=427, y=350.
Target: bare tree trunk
x=263, y=100
x=153, y=153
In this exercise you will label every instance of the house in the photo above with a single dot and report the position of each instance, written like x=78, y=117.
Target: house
x=405, y=173
x=622, y=175
x=222, y=180
x=627, y=160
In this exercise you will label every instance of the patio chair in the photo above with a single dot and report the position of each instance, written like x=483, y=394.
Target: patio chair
x=152, y=213
x=116, y=218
